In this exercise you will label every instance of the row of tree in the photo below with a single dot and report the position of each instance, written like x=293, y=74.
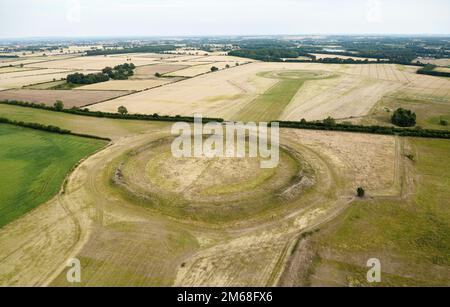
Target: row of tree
x=59, y=107
x=331, y=125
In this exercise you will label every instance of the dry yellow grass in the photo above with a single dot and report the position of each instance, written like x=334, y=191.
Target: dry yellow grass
x=222, y=93
x=18, y=82
x=352, y=91
x=437, y=62
x=125, y=85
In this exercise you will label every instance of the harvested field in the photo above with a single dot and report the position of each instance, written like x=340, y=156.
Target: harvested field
x=148, y=72
x=126, y=85
x=19, y=82
x=220, y=94
x=92, y=62
x=437, y=62
x=70, y=98
x=30, y=73
x=197, y=70
x=352, y=92
x=34, y=60
x=4, y=70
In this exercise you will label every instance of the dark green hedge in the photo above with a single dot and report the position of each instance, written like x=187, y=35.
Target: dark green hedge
x=385, y=130
x=49, y=128
x=86, y=112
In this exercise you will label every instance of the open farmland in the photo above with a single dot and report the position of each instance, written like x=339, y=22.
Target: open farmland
x=197, y=70
x=349, y=91
x=34, y=179
x=92, y=62
x=264, y=240
x=18, y=82
x=125, y=85
x=69, y=98
x=148, y=72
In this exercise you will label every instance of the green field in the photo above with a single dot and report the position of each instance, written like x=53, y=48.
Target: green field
x=410, y=236
x=270, y=105
x=34, y=165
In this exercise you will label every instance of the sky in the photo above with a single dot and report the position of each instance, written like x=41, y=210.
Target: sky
x=93, y=18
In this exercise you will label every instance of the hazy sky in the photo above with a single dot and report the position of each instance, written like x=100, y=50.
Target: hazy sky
x=29, y=18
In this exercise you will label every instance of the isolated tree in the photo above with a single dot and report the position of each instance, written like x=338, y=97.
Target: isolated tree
x=404, y=118
x=59, y=105
x=214, y=69
x=122, y=110
x=227, y=66
x=360, y=192
x=158, y=75
x=443, y=122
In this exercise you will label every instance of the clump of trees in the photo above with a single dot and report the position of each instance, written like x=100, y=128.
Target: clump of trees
x=404, y=118
x=119, y=72
x=79, y=78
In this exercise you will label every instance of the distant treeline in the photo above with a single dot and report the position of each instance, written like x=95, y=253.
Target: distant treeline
x=393, y=49
x=119, y=72
x=12, y=56
x=138, y=49
x=385, y=130
x=430, y=70
x=269, y=54
x=86, y=112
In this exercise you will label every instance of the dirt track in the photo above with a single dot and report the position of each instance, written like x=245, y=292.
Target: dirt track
x=90, y=220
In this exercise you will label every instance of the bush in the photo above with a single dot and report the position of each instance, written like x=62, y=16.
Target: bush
x=360, y=192
x=443, y=122
x=59, y=105
x=329, y=121
x=404, y=118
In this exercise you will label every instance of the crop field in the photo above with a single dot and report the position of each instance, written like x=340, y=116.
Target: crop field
x=69, y=98
x=34, y=179
x=18, y=82
x=437, y=62
x=125, y=85
x=92, y=62
x=197, y=70
x=349, y=91
x=148, y=72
